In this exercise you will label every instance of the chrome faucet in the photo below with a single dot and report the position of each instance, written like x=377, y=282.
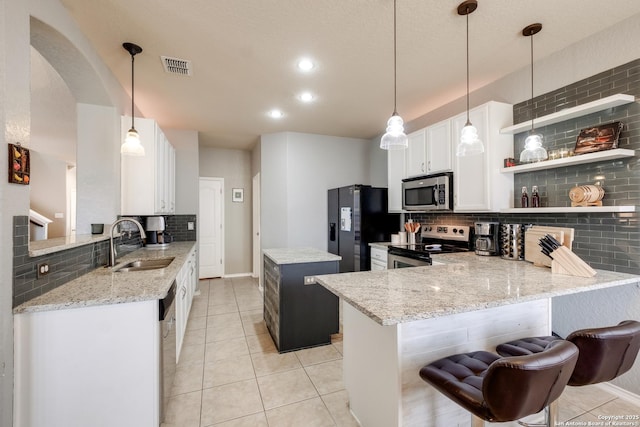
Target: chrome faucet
x=112, y=249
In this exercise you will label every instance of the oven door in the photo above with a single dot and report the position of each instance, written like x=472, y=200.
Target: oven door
x=399, y=261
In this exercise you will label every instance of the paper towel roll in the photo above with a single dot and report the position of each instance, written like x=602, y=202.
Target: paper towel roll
x=403, y=237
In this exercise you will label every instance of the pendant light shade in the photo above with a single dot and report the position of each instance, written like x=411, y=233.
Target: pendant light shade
x=394, y=138
x=533, y=149
x=132, y=145
x=470, y=143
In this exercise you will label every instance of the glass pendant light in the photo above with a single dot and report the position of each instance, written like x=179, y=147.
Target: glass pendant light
x=533, y=149
x=132, y=145
x=470, y=143
x=394, y=138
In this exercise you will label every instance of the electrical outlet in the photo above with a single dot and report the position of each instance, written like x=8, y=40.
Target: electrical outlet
x=190, y=225
x=43, y=269
x=309, y=280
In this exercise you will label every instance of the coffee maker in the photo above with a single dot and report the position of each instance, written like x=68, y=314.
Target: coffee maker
x=154, y=228
x=487, y=238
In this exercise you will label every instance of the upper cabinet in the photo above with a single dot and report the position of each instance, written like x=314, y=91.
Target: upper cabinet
x=429, y=150
x=478, y=185
x=148, y=182
x=439, y=147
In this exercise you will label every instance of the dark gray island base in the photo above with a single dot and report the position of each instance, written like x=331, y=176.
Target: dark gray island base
x=298, y=315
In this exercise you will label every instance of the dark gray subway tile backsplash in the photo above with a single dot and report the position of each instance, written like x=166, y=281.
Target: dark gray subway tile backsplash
x=69, y=264
x=608, y=241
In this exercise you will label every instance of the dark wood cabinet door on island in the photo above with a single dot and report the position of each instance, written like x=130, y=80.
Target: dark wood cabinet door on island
x=298, y=315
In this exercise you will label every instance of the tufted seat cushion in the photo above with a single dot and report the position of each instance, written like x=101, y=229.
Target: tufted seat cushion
x=605, y=353
x=500, y=389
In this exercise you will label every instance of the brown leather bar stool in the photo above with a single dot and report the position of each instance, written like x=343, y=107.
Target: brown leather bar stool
x=605, y=353
x=501, y=389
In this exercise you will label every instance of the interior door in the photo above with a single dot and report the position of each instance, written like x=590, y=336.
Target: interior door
x=257, y=258
x=210, y=227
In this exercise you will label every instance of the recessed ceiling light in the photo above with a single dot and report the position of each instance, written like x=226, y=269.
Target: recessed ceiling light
x=305, y=64
x=276, y=114
x=306, y=97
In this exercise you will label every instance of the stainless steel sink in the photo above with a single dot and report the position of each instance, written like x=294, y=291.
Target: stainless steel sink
x=144, y=264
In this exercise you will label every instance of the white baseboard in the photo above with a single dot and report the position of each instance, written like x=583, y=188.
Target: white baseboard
x=620, y=392
x=229, y=276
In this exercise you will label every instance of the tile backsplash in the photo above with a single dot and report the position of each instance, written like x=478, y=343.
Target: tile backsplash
x=608, y=241
x=69, y=264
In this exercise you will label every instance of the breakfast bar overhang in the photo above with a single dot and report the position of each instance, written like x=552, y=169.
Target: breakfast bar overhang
x=396, y=321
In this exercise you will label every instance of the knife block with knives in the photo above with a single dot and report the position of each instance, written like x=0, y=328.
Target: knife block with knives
x=563, y=261
x=533, y=235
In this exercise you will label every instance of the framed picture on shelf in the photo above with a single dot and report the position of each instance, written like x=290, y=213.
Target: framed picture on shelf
x=19, y=168
x=237, y=195
x=598, y=138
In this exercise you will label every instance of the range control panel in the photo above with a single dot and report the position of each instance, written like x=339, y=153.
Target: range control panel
x=460, y=233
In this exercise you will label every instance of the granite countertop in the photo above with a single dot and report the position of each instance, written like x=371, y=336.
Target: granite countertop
x=102, y=286
x=464, y=282
x=299, y=255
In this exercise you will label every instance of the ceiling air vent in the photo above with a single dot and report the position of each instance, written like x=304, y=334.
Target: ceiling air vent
x=176, y=66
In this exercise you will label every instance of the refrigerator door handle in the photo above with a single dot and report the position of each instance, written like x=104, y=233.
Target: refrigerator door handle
x=332, y=231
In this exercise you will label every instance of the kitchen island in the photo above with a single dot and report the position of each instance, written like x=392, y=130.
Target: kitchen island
x=396, y=321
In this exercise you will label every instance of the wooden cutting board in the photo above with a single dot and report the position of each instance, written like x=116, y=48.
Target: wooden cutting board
x=532, y=251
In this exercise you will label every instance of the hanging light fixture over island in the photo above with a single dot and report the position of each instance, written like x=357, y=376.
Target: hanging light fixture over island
x=132, y=145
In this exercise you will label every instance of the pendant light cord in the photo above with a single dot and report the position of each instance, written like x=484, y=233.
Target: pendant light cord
x=395, y=66
x=532, y=114
x=132, y=93
x=467, y=14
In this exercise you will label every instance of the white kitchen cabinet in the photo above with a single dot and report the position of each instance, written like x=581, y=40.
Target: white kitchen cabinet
x=88, y=366
x=148, y=182
x=186, y=281
x=395, y=175
x=416, y=154
x=439, y=147
x=378, y=258
x=478, y=184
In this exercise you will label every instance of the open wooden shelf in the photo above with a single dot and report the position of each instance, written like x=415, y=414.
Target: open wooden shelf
x=571, y=113
x=567, y=209
x=599, y=156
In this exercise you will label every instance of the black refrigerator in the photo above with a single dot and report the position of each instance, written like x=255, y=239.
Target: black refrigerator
x=358, y=216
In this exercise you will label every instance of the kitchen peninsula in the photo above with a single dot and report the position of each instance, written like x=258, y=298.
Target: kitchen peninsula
x=396, y=321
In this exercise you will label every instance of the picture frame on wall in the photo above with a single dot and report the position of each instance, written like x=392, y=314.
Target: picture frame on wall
x=237, y=195
x=19, y=165
x=598, y=138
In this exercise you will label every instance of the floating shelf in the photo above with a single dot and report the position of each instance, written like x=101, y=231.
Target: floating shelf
x=599, y=156
x=577, y=209
x=571, y=113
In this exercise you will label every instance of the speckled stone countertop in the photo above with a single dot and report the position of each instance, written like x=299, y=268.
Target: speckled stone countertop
x=464, y=282
x=44, y=247
x=103, y=286
x=299, y=255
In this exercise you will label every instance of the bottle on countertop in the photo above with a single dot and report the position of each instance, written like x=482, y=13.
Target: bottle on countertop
x=535, y=197
x=524, y=200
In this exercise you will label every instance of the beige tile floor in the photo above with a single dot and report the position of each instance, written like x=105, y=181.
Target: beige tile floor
x=230, y=374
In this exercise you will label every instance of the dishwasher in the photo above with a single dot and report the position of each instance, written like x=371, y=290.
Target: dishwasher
x=167, y=310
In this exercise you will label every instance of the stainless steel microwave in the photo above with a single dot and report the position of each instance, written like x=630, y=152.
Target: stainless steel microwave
x=428, y=193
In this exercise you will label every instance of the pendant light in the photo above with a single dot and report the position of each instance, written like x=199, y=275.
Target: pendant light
x=470, y=144
x=132, y=145
x=394, y=138
x=533, y=149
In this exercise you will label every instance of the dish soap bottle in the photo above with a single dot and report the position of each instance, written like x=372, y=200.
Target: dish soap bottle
x=535, y=197
x=524, y=200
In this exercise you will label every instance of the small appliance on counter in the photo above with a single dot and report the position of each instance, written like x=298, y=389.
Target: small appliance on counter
x=156, y=236
x=487, y=238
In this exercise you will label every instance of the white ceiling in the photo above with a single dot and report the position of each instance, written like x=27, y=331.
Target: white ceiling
x=244, y=52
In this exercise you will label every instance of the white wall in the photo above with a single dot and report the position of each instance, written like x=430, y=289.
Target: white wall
x=297, y=170
x=48, y=190
x=235, y=167
x=185, y=143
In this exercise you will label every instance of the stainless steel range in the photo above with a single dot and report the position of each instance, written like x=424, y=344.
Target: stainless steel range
x=435, y=239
